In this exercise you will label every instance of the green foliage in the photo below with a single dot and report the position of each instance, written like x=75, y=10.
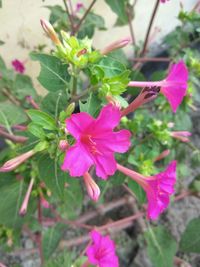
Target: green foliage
x=11, y=114
x=62, y=259
x=161, y=247
x=92, y=22
x=23, y=87
x=190, y=239
x=92, y=105
x=120, y=8
x=53, y=75
x=50, y=239
x=43, y=119
x=137, y=191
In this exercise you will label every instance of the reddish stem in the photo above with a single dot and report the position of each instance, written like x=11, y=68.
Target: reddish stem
x=13, y=138
x=39, y=236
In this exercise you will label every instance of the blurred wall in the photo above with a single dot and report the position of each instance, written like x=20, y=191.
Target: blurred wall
x=21, y=31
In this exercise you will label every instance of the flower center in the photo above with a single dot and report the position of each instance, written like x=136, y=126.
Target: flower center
x=92, y=146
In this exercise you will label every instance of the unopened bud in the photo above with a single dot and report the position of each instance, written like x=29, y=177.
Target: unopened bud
x=70, y=109
x=23, y=209
x=45, y=204
x=49, y=30
x=63, y=145
x=92, y=188
x=181, y=135
x=15, y=162
x=163, y=155
x=115, y=45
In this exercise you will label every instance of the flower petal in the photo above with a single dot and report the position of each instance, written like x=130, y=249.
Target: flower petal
x=77, y=161
x=114, y=141
x=105, y=164
x=108, y=118
x=78, y=123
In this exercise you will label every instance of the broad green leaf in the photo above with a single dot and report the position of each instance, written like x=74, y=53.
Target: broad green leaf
x=63, y=187
x=53, y=75
x=137, y=190
x=2, y=64
x=190, y=239
x=110, y=66
x=161, y=247
x=11, y=114
x=55, y=102
x=119, y=7
x=42, y=118
x=23, y=87
x=58, y=14
x=92, y=106
x=91, y=22
x=36, y=130
x=11, y=196
x=50, y=240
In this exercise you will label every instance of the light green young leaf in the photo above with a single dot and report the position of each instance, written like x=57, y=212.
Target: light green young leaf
x=42, y=118
x=190, y=240
x=53, y=75
x=161, y=247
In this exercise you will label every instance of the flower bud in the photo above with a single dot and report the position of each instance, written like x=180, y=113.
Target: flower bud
x=92, y=188
x=24, y=205
x=181, y=135
x=15, y=162
x=70, y=109
x=45, y=204
x=49, y=30
x=115, y=45
x=63, y=145
x=163, y=155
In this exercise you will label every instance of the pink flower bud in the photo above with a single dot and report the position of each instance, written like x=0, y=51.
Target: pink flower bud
x=163, y=155
x=92, y=188
x=181, y=135
x=24, y=206
x=45, y=204
x=115, y=45
x=63, y=145
x=15, y=162
x=49, y=30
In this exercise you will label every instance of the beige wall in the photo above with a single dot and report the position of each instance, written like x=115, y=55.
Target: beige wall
x=21, y=30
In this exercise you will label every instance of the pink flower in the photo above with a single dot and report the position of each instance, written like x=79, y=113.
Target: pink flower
x=92, y=188
x=79, y=6
x=174, y=87
x=158, y=188
x=102, y=251
x=95, y=142
x=163, y=1
x=18, y=66
x=181, y=135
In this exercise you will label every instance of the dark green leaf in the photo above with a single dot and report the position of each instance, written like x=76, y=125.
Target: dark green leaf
x=137, y=190
x=53, y=75
x=36, y=130
x=92, y=106
x=51, y=239
x=11, y=114
x=91, y=22
x=42, y=118
x=119, y=7
x=23, y=87
x=161, y=247
x=190, y=240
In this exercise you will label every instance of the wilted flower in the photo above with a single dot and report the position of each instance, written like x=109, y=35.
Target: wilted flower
x=18, y=66
x=181, y=135
x=95, y=142
x=158, y=188
x=173, y=87
x=102, y=251
x=92, y=188
x=15, y=162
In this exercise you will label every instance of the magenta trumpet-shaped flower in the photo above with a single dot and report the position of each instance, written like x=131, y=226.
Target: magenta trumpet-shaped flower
x=95, y=143
x=163, y=1
x=158, y=188
x=173, y=87
x=18, y=66
x=102, y=251
x=181, y=135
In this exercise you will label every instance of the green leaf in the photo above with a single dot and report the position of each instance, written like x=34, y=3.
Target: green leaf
x=190, y=240
x=195, y=184
x=91, y=22
x=119, y=7
x=53, y=75
x=53, y=100
x=92, y=106
x=2, y=64
x=23, y=87
x=36, y=130
x=11, y=114
x=161, y=247
x=110, y=66
x=64, y=258
x=2, y=42
x=137, y=190
x=51, y=239
x=43, y=119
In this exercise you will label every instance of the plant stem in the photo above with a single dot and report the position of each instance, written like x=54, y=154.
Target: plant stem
x=12, y=99
x=152, y=59
x=13, y=138
x=149, y=28
x=130, y=25
x=77, y=27
x=69, y=15
x=39, y=237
